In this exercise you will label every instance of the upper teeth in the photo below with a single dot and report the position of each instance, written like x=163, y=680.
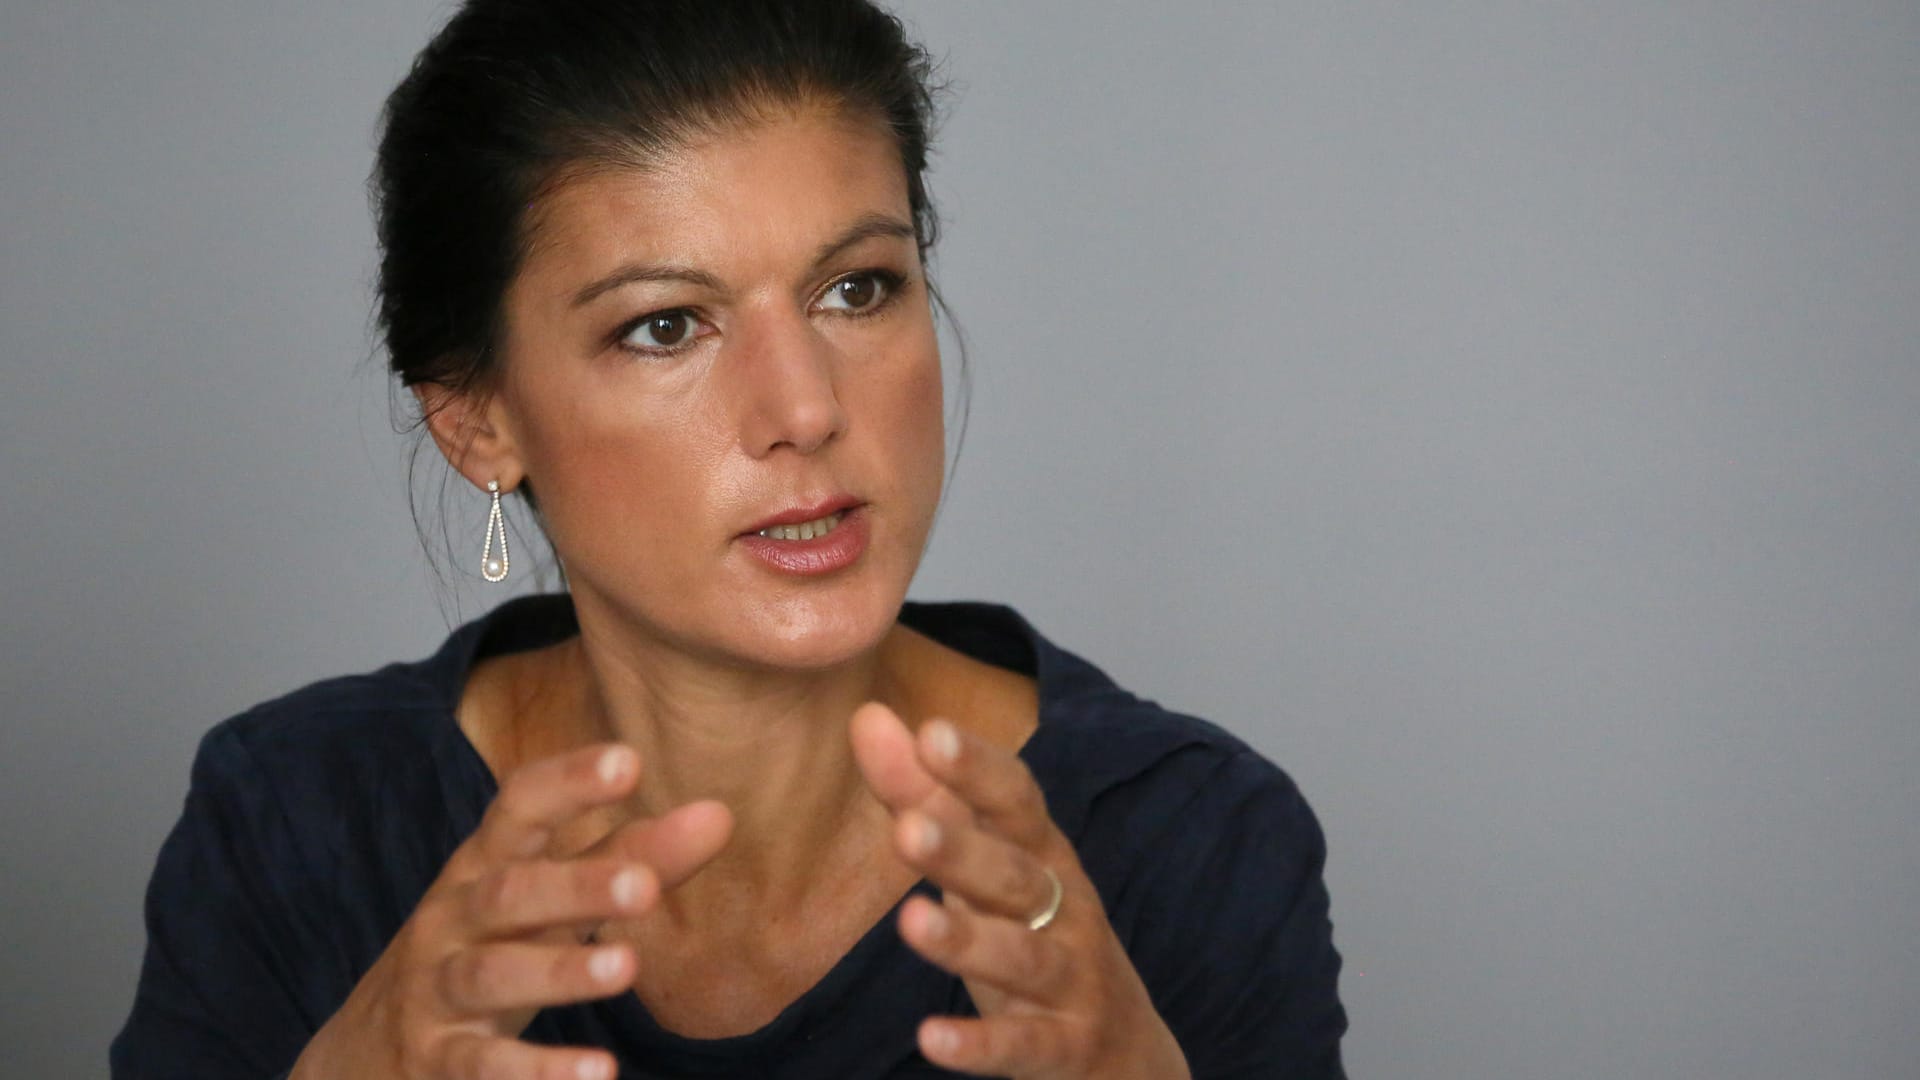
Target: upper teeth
x=804, y=531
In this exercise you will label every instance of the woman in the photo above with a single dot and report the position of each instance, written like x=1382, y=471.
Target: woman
x=729, y=806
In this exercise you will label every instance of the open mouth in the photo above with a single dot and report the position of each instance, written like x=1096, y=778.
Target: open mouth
x=806, y=530
x=818, y=546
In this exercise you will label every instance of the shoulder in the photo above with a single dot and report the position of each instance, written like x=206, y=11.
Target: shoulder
x=1130, y=779
x=1210, y=865
x=1114, y=762
x=321, y=815
x=323, y=730
x=1093, y=735
x=392, y=725
x=307, y=834
x=340, y=777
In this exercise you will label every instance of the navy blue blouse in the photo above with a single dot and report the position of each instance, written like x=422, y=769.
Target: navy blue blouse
x=315, y=822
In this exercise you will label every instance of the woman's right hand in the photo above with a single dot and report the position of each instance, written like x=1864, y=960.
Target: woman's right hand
x=499, y=934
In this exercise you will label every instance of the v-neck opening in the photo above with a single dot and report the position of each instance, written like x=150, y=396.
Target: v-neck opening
x=531, y=622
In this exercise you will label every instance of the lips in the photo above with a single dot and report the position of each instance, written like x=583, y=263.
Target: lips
x=812, y=510
x=820, y=556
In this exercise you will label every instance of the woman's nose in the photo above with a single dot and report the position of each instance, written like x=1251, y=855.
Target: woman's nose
x=785, y=376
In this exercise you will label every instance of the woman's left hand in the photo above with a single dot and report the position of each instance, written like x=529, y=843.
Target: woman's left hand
x=1062, y=1002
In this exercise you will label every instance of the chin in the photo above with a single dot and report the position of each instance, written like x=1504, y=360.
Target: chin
x=817, y=632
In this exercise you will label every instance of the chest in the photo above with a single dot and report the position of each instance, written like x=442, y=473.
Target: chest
x=715, y=986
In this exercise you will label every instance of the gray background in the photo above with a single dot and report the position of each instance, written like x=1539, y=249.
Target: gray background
x=1505, y=415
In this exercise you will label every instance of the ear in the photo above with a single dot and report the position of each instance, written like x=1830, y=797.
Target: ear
x=471, y=429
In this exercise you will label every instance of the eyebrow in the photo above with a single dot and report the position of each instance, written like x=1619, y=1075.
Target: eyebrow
x=866, y=228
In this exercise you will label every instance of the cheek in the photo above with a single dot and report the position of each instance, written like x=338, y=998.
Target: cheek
x=916, y=424
x=608, y=469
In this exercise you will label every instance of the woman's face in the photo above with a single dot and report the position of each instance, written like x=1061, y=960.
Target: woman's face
x=737, y=334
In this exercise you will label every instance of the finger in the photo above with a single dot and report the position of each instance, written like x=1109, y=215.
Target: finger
x=884, y=750
x=540, y=796
x=1008, y=1044
x=989, y=871
x=503, y=976
x=519, y=897
x=470, y=1056
x=1005, y=955
x=993, y=781
x=676, y=844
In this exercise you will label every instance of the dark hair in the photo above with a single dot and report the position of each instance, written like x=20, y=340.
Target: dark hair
x=512, y=95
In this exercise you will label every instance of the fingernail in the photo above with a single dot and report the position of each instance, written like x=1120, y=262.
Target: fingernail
x=926, y=836
x=943, y=742
x=613, y=765
x=534, y=843
x=626, y=887
x=940, y=1040
x=595, y=1068
x=934, y=923
x=604, y=964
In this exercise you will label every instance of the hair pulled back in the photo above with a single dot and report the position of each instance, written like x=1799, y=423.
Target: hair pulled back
x=511, y=95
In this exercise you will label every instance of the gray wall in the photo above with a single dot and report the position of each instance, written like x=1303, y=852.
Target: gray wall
x=1506, y=415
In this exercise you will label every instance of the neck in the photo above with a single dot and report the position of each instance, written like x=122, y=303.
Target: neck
x=771, y=745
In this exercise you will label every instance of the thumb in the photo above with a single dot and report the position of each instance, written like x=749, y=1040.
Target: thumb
x=888, y=760
x=676, y=844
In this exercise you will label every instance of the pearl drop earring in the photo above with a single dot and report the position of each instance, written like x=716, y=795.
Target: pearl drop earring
x=494, y=569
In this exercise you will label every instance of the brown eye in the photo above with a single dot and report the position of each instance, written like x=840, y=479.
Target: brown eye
x=859, y=293
x=665, y=330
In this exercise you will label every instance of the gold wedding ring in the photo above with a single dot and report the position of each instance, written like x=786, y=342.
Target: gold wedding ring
x=1040, y=921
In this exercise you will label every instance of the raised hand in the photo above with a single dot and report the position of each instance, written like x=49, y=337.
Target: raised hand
x=499, y=934
x=1019, y=920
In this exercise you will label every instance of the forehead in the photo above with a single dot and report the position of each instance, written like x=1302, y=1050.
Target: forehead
x=745, y=198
